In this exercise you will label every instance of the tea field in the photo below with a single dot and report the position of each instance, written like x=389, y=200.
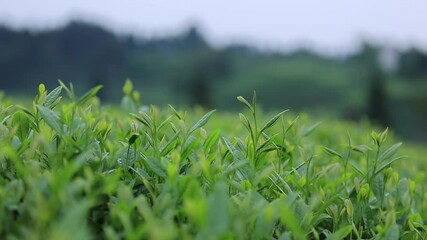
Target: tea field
x=73, y=168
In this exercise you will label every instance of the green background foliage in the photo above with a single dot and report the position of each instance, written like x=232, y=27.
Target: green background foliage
x=186, y=70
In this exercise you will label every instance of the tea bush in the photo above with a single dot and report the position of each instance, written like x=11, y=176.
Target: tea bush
x=75, y=169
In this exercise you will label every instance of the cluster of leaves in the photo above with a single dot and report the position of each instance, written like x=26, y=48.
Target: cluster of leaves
x=75, y=170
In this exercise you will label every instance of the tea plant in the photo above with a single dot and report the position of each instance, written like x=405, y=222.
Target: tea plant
x=73, y=169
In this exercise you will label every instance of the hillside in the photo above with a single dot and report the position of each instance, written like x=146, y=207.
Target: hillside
x=185, y=70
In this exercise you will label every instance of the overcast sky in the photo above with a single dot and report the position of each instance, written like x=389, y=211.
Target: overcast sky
x=327, y=25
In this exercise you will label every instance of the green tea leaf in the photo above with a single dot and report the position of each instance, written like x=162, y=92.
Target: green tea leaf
x=374, y=136
x=245, y=122
x=378, y=187
x=383, y=136
x=88, y=95
x=201, y=122
x=289, y=218
x=211, y=140
x=51, y=118
x=254, y=100
x=175, y=112
x=156, y=166
x=310, y=129
x=246, y=103
x=386, y=164
x=264, y=147
x=166, y=121
x=219, y=217
x=133, y=138
x=21, y=120
x=190, y=146
x=360, y=148
x=233, y=167
x=127, y=88
x=42, y=88
x=236, y=154
x=128, y=104
x=144, y=119
x=403, y=186
x=272, y=121
x=332, y=152
x=392, y=233
x=69, y=90
x=170, y=144
x=389, y=152
x=341, y=233
x=357, y=167
x=52, y=97
x=26, y=111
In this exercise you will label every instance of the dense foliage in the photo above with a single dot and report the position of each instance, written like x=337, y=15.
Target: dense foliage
x=72, y=169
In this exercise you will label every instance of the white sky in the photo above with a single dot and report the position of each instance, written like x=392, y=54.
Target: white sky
x=327, y=25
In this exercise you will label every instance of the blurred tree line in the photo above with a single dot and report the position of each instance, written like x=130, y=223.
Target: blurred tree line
x=185, y=70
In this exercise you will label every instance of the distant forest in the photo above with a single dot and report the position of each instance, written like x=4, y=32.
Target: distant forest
x=390, y=88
